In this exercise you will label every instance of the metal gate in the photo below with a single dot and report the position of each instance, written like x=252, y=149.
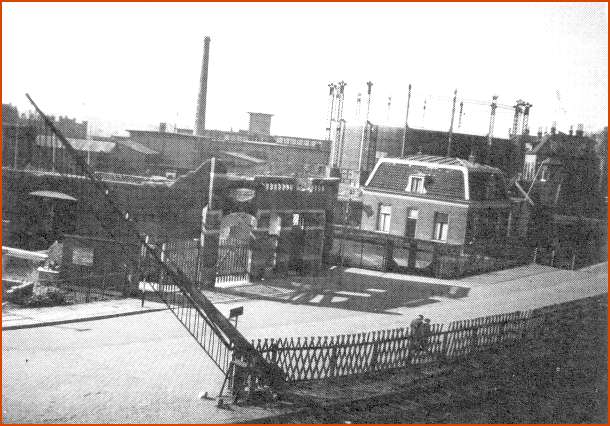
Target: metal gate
x=233, y=267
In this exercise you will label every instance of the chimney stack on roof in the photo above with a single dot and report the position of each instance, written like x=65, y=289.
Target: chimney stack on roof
x=571, y=132
x=580, y=130
x=203, y=90
x=162, y=127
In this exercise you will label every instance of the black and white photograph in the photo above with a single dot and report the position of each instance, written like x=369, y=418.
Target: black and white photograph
x=304, y=213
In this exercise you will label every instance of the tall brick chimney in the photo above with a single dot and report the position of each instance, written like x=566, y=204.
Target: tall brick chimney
x=203, y=90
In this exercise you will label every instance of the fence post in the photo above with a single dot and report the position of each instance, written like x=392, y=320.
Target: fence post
x=88, y=290
x=501, y=332
x=161, y=270
x=412, y=254
x=104, y=284
x=445, y=346
x=389, y=255
x=524, y=324
x=475, y=338
x=434, y=264
x=139, y=277
x=573, y=259
x=333, y=362
x=273, y=349
x=374, y=356
x=553, y=258
x=535, y=254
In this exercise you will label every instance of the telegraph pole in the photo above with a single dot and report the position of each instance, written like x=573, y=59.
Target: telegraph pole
x=451, y=125
x=404, y=133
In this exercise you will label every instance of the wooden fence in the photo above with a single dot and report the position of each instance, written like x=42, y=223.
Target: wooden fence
x=311, y=358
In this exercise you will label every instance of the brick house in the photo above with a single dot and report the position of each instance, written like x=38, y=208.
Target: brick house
x=564, y=173
x=436, y=199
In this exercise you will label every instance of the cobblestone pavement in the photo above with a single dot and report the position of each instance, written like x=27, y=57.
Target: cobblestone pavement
x=146, y=368
x=143, y=368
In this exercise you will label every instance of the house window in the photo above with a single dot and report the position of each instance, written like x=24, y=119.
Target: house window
x=416, y=184
x=383, y=223
x=412, y=215
x=441, y=226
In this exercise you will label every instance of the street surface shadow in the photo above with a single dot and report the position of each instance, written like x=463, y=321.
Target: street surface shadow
x=345, y=290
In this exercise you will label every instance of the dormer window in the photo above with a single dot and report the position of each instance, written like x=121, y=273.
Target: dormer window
x=416, y=184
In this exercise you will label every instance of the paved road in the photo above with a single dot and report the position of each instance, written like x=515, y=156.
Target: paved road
x=143, y=368
x=506, y=291
x=146, y=368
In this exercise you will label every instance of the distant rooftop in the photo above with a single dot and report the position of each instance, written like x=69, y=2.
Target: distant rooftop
x=77, y=144
x=448, y=161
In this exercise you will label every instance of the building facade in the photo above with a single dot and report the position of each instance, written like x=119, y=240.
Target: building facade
x=281, y=155
x=563, y=171
x=437, y=199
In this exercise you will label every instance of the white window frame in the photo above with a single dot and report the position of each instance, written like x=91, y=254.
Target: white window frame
x=411, y=181
x=384, y=218
x=443, y=232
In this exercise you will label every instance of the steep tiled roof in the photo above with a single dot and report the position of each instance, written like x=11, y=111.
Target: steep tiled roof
x=444, y=177
x=441, y=182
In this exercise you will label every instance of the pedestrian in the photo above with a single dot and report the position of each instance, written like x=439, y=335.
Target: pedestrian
x=416, y=323
x=415, y=330
x=426, y=329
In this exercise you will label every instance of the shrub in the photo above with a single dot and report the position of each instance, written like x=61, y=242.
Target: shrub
x=49, y=298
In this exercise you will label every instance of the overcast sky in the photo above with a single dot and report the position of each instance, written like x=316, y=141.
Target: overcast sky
x=131, y=66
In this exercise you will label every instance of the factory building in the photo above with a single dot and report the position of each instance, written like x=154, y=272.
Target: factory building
x=244, y=152
x=387, y=141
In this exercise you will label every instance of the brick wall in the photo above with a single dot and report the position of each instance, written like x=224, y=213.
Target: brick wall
x=99, y=257
x=457, y=216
